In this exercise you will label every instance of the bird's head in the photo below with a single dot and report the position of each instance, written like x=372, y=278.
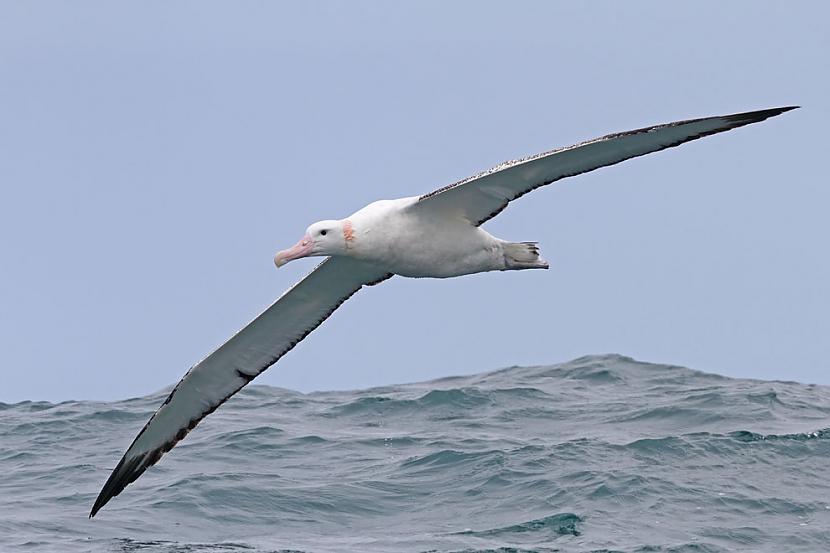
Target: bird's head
x=321, y=238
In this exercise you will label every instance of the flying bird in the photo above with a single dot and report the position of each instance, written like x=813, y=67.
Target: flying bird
x=436, y=235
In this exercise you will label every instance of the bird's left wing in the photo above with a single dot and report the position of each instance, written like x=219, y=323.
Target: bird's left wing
x=483, y=196
x=248, y=353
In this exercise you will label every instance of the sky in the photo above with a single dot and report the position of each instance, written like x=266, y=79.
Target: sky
x=155, y=155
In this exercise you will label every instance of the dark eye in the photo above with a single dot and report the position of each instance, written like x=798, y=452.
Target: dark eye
x=323, y=232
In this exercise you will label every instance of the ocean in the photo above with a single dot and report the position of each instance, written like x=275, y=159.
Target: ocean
x=603, y=453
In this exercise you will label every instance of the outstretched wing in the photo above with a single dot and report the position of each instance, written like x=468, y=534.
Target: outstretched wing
x=238, y=361
x=483, y=196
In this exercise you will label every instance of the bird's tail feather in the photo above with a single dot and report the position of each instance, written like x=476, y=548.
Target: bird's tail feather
x=522, y=255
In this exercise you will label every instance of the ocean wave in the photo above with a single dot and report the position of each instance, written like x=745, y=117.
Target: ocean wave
x=603, y=453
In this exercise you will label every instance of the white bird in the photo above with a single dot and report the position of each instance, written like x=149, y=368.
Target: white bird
x=435, y=235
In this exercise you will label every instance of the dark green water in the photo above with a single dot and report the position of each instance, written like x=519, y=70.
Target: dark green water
x=603, y=453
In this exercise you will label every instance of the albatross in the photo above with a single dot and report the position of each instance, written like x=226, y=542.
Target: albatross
x=437, y=235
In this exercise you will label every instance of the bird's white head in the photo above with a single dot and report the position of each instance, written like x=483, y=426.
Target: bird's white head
x=321, y=238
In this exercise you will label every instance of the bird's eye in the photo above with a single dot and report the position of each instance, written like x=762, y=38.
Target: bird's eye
x=323, y=232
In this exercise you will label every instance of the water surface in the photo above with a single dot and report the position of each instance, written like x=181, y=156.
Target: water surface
x=602, y=453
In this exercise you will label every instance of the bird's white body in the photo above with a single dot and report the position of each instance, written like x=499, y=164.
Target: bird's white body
x=435, y=235
x=402, y=239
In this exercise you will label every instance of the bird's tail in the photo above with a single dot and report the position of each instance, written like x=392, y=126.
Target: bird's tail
x=522, y=255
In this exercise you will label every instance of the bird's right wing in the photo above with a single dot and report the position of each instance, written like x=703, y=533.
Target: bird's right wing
x=239, y=360
x=483, y=196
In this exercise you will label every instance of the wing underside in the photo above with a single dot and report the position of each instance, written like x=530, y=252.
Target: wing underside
x=248, y=353
x=481, y=197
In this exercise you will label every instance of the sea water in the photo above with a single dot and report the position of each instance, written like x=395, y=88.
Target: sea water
x=602, y=453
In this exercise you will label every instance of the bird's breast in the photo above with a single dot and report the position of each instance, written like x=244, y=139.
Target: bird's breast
x=414, y=246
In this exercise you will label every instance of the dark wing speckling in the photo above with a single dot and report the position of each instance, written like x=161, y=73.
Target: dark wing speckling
x=248, y=353
x=481, y=197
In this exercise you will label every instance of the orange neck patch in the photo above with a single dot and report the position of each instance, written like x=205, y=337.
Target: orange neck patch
x=348, y=231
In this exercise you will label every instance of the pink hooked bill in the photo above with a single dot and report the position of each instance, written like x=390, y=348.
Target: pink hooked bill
x=298, y=250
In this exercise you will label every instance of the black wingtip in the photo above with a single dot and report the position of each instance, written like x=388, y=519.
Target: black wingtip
x=101, y=500
x=103, y=497
x=123, y=474
x=759, y=115
x=782, y=109
x=96, y=507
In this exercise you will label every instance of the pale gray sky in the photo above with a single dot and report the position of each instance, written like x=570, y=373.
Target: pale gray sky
x=155, y=155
